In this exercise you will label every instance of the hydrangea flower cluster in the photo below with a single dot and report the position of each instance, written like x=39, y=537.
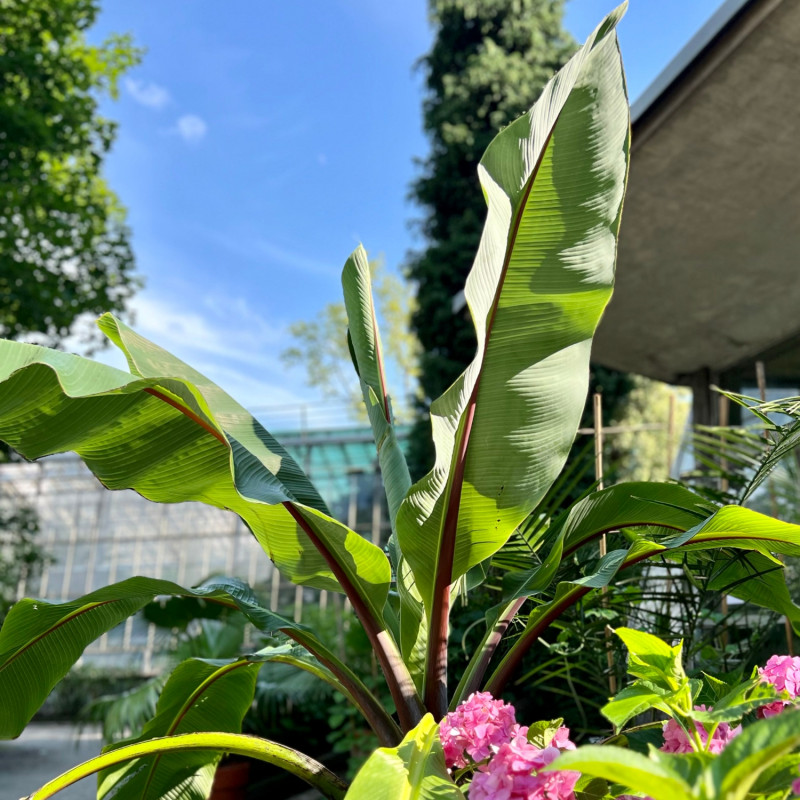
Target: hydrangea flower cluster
x=676, y=740
x=477, y=728
x=483, y=729
x=783, y=672
x=515, y=773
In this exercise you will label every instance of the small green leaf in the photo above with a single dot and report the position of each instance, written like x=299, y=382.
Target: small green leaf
x=653, y=660
x=540, y=734
x=414, y=770
x=636, y=699
x=757, y=748
x=633, y=770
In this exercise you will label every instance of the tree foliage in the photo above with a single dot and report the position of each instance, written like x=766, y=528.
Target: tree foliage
x=21, y=558
x=64, y=246
x=320, y=345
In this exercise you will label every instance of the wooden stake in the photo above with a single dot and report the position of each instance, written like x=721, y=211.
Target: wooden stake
x=761, y=379
x=670, y=434
x=598, y=476
x=724, y=408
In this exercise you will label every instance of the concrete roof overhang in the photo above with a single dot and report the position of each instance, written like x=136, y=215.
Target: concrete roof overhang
x=707, y=273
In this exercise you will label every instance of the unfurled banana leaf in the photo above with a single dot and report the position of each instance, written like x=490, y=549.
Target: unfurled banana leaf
x=554, y=182
x=39, y=643
x=627, y=505
x=414, y=770
x=365, y=342
x=365, y=345
x=630, y=505
x=199, y=696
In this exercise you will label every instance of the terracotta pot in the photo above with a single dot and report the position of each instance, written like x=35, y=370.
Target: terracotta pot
x=230, y=782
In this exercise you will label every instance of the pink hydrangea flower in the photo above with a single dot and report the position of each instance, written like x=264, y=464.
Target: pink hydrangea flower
x=477, y=728
x=676, y=740
x=514, y=773
x=783, y=672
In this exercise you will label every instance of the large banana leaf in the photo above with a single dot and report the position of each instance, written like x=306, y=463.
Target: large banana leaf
x=554, y=182
x=39, y=643
x=414, y=770
x=199, y=696
x=171, y=434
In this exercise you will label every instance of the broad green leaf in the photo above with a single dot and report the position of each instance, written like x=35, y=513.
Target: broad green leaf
x=299, y=764
x=40, y=641
x=754, y=750
x=741, y=700
x=541, y=733
x=633, y=770
x=742, y=528
x=778, y=776
x=627, y=505
x=199, y=696
x=633, y=700
x=730, y=527
x=414, y=770
x=172, y=435
x=554, y=182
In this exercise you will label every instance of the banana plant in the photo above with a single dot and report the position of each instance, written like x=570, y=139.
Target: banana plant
x=554, y=182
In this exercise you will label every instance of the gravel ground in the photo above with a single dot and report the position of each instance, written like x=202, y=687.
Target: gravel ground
x=43, y=751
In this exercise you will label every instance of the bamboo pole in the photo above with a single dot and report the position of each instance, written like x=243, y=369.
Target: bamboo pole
x=598, y=476
x=761, y=379
x=724, y=414
x=670, y=434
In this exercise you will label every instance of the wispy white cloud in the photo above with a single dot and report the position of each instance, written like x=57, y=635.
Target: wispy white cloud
x=147, y=94
x=256, y=248
x=222, y=337
x=190, y=128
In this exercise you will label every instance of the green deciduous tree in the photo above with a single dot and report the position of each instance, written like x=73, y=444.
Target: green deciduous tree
x=320, y=345
x=64, y=246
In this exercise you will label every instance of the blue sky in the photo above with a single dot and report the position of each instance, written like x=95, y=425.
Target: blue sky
x=257, y=147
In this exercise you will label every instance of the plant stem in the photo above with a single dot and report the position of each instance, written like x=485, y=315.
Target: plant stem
x=436, y=659
x=357, y=692
x=312, y=772
x=509, y=664
x=476, y=669
x=401, y=685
